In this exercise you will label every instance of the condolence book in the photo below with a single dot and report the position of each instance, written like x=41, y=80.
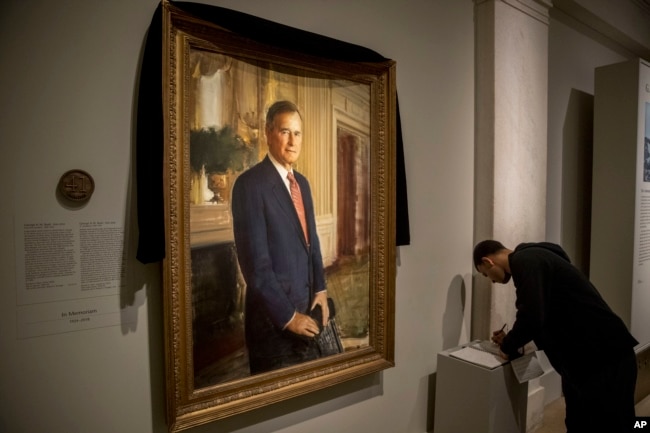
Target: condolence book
x=483, y=353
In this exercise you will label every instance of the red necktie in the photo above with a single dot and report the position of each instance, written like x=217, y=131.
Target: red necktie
x=296, y=196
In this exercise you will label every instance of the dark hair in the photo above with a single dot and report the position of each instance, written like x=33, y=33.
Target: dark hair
x=484, y=249
x=278, y=108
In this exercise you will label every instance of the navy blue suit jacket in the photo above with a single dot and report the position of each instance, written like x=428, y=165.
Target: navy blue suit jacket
x=282, y=272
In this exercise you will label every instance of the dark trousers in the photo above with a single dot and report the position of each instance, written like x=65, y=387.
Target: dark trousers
x=601, y=399
x=301, y=350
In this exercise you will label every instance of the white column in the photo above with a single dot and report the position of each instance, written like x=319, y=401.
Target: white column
x=511, y=145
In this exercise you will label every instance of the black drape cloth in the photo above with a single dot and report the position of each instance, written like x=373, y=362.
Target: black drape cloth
x=149, y=134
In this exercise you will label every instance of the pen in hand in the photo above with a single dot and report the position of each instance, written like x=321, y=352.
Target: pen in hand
x=497, y=336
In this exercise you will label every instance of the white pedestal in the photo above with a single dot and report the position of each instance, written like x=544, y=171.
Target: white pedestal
x=470, y=398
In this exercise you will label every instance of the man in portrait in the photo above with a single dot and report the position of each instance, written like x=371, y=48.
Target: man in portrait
x=279, y=251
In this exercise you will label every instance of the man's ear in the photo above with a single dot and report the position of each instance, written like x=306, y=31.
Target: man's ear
x=487, y=262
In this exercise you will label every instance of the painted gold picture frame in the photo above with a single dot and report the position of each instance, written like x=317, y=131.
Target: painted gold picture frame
x=217, y=87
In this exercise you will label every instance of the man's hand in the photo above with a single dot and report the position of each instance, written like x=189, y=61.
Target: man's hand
x=321, y=299
x=497, y=338
x=302, y=324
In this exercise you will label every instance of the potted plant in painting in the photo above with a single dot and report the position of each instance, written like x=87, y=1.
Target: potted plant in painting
x=215, y=156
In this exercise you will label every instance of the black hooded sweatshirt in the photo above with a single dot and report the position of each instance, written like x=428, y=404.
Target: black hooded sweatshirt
x=562, y=312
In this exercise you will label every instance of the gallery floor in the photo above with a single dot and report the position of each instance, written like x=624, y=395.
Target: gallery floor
x=554, y=415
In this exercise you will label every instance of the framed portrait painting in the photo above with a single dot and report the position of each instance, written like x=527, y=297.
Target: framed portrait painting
x=233, y=256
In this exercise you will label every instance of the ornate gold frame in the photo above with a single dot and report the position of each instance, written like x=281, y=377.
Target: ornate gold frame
x=187, y=405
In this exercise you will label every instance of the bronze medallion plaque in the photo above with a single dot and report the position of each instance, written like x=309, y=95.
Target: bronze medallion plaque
x=76, y=185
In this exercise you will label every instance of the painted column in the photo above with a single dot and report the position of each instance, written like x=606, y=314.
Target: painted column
x=511, y=61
